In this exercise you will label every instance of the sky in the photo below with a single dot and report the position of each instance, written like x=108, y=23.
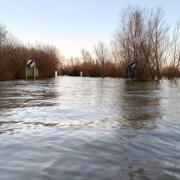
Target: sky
x=73, y=25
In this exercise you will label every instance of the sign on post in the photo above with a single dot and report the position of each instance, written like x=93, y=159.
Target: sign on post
x=31, y=69
x=132, y=70
x=30, y=63
x=132, y=64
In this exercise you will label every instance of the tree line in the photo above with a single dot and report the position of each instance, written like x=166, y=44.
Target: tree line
x=14, y=56
x=144, y=36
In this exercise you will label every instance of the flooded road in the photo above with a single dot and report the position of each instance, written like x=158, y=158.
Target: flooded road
x=89, y=129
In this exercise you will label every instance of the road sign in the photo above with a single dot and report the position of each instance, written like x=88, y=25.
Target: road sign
x=132, y=64
x=30, y=63
x=132, y=70
x=31, y=69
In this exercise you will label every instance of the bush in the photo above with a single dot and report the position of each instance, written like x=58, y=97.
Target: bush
x=13, y=58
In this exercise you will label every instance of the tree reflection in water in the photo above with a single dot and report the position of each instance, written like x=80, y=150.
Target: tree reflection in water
x=140, y=105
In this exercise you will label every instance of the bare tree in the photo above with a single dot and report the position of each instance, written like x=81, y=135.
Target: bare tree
x=86, y=56
x=159, y=40
x=143, y=37
x=175, y=44
x=101, y=52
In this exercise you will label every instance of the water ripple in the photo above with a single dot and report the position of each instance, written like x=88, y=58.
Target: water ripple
x=89, y=128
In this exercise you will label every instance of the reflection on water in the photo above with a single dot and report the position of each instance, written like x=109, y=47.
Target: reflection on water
x=140, y=104
x=89, y=128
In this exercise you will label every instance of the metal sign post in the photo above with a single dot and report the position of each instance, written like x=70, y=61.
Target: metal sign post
x=132, y=70
x=31, y=69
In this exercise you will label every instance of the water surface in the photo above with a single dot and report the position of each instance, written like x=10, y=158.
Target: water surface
x=89, y=128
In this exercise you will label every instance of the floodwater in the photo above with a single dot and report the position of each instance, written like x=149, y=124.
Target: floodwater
x=72, y=128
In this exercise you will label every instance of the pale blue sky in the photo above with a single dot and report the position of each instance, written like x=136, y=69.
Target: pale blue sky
x=72, y=24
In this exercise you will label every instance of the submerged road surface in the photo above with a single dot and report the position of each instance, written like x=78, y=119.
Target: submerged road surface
x=72, y=128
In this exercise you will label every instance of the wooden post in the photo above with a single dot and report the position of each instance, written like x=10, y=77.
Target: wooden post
x=81, y=74
x=34, y=72
x=26, y=73
x=56, y=74
x=128, y=74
